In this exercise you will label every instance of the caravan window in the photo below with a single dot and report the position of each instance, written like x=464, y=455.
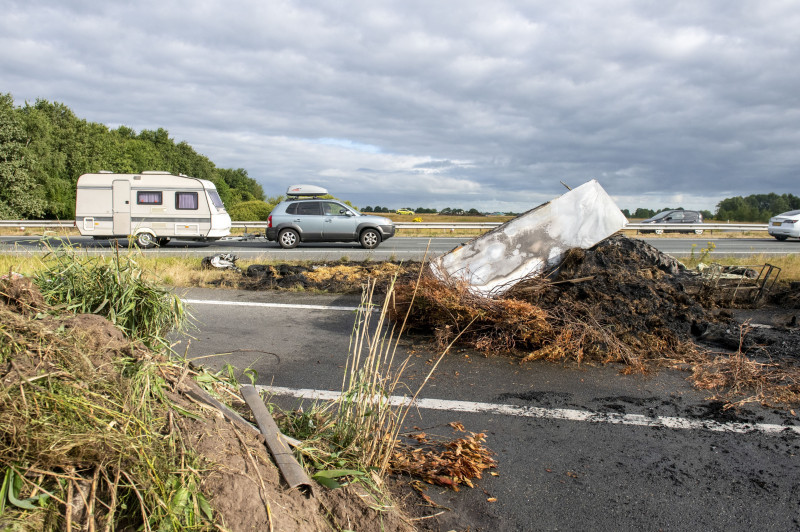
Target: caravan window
x=215, y=199
x=186, y=200
x=148, y=198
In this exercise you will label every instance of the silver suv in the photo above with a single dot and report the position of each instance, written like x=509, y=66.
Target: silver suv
x=322, y=220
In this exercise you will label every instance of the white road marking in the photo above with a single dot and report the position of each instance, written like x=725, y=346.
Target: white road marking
x=554, y=413
x=270, y=305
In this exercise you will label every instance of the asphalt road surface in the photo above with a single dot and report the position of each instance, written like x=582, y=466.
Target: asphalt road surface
x=579, y=448
x=398, y=248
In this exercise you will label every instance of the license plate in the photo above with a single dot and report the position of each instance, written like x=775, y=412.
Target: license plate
x=776, y=223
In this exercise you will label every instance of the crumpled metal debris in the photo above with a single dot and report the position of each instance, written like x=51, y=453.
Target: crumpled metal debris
x=533, y=242
x=222, y=261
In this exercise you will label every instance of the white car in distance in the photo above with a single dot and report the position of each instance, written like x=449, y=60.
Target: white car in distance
x=785, y=225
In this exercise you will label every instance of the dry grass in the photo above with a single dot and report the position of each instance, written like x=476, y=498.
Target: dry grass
x=360, y=430
x=519, y=327
x=738, y=379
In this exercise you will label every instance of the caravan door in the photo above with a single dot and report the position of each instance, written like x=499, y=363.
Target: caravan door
x=121, y=199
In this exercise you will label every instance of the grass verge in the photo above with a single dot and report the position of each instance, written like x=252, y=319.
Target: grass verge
x=88, y=439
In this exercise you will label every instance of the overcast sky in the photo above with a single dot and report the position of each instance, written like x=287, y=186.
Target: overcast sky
x=436, y=103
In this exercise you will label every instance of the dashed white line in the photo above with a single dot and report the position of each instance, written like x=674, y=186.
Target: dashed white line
x=563, y=414
x=270, y=305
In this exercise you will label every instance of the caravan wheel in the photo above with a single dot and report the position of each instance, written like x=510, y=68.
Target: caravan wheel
x=145, y=240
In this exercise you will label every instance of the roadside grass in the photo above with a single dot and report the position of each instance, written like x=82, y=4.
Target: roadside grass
x=115, y=287
x=186, y=272
x=707, y=233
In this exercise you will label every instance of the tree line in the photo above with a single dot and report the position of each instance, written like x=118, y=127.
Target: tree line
x=753, y=208
x=44, y=148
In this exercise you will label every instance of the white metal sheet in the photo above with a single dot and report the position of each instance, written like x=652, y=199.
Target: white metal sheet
x=534, y=241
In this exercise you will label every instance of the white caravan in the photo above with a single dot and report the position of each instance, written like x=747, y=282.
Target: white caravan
x=152, y=207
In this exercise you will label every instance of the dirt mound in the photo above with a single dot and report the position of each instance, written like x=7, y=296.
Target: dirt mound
x=629, y=287
x=96, y=331
x=245, y=487
x=21, y=294
x=69, y=389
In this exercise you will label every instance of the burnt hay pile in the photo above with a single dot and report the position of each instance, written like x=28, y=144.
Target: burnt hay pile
x=622, y=301
x=340, y=277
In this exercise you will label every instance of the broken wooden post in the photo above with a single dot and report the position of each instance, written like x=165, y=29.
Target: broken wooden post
x=292, y=471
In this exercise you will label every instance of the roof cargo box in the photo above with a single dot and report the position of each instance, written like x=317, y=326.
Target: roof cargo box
x=306, y=190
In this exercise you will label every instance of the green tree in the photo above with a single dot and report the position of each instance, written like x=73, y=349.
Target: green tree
x=56, y=147
x=643, y=213
x=248, y=211
x=18, y=198
x=247, y=188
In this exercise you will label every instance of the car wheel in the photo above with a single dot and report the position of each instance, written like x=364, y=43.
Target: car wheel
x=145, y=240
x=698, y=231
x=780, y=238
x=288, y=238
x=370, y=239
x=659, y=231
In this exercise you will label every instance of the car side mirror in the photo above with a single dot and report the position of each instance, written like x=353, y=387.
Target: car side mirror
x=346, y=212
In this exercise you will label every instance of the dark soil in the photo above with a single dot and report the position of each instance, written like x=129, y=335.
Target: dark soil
x=627, y=285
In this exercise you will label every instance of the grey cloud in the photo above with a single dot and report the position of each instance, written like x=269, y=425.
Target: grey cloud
x=506, y=99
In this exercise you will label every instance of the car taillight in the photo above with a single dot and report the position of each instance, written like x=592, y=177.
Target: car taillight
x=790, y=221
x=269, y=221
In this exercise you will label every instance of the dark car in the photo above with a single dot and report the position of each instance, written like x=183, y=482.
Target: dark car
x=674, y=216
x=324, y=220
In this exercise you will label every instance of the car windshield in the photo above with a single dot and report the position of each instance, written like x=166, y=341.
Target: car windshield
x=790, y=213
x=333, y=208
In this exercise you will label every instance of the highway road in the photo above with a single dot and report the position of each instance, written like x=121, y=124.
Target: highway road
x=579, y=448
x=398, y=248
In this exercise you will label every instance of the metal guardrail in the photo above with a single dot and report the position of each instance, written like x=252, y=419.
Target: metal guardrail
x=699, y=227
x=56, y=224
x=53, y=224
x=492, y=225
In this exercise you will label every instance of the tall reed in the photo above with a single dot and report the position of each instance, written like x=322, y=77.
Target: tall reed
x=113, y=286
